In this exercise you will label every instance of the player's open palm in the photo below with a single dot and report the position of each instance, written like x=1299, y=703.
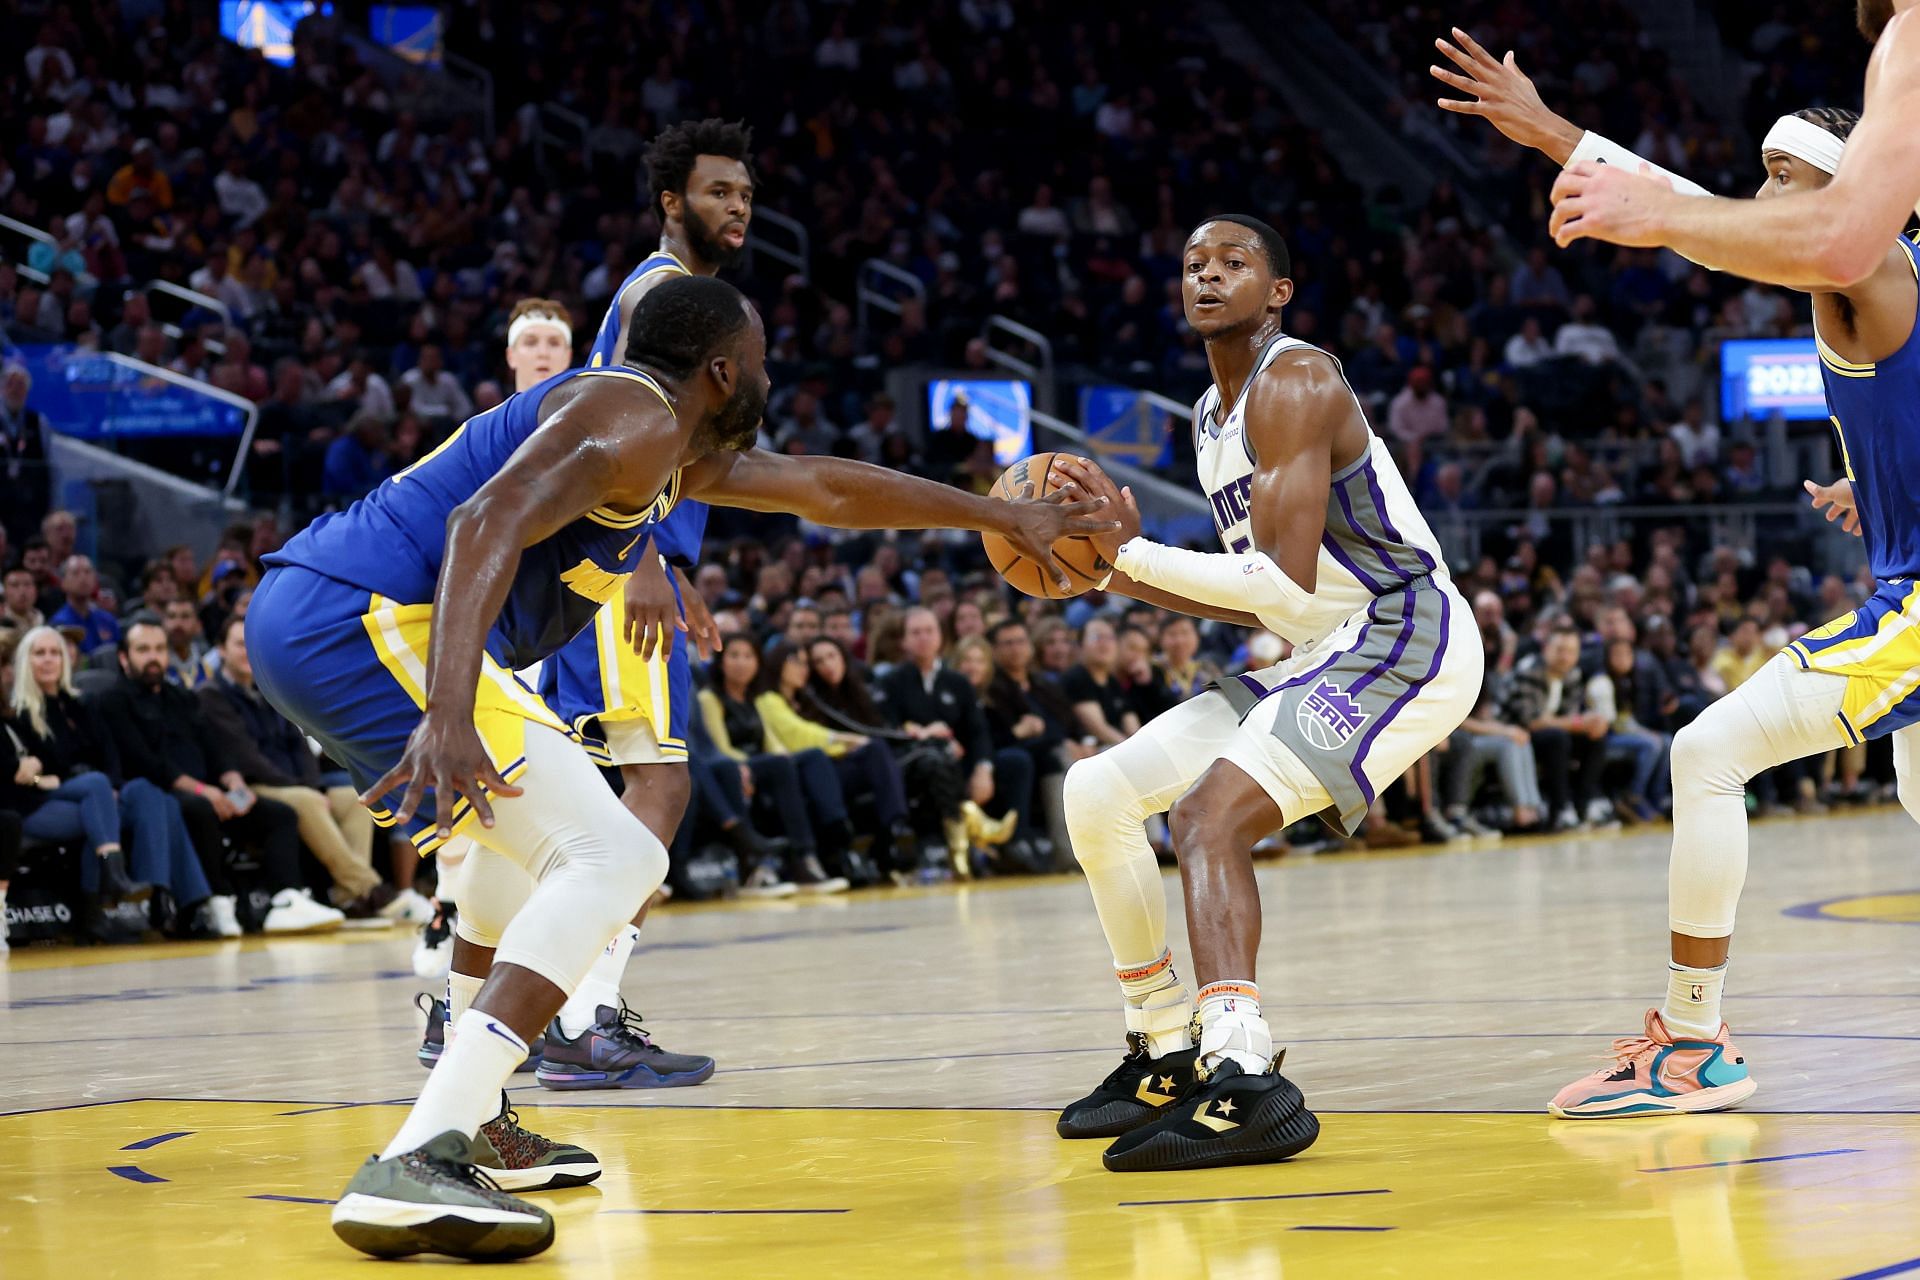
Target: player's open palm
x=1836, y=500
x=443, y=752
x=1503, y=95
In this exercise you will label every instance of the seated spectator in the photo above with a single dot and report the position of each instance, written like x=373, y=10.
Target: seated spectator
x=938, y=705
x=1099, y=701
x=1548, y=699
x=17, y=608
x=1630, y=692
x=1144, y=688
x=437, y=395
x=36, y=557
x=1186, y=675
x=720, y=802
x=1528, y=347
x=161, y=736
x=357, y=460
x=98, y=628
x=186, y=644
x=1483, y=739
x=1736, y=661
x=802, y=784
x=271, y=754
x=1585, y=337
x=77, y=797
x=158, y=589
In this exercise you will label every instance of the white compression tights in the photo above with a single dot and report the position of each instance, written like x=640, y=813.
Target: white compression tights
x=1781, y=713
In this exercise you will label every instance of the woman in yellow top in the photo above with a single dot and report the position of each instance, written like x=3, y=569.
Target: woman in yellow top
x=867, y=769
x=800, y=783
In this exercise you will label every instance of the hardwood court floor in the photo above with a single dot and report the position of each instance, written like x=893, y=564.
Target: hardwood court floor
x=889, y=1065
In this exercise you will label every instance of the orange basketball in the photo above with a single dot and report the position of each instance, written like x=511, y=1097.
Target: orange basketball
x=1035, y=477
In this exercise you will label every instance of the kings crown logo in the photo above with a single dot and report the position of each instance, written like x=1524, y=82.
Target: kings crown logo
x=1328, y=716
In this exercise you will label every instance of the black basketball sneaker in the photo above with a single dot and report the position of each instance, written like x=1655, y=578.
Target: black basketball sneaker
x=1138, y=1091
x=1231, y=1117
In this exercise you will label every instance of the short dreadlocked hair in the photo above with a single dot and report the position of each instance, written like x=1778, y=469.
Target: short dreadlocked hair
x=671, y=155
x=1837, y=121
x=681, y=322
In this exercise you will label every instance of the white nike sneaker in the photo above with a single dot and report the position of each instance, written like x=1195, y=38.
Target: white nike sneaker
x=414, y=908
x=217, y=913
x=295, y=911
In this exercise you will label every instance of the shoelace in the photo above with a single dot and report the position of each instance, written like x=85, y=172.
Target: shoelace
x=630, y=1028
x=515, y=1132
x=458, y=1171
x=1626, y=1049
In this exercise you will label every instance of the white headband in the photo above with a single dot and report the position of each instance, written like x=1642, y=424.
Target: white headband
x=1805, y=140
x=528, y=321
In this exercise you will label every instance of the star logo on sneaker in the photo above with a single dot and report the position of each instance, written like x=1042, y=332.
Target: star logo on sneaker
x=1156, y=1097
x=1222, y=1118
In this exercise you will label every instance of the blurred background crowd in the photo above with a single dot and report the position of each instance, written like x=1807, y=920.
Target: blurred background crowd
x=351, y=233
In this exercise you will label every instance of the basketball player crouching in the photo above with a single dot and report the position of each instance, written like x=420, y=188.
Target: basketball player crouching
x=1323, y=546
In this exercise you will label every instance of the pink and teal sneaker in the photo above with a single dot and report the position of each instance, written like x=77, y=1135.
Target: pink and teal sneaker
x=1657, y=1075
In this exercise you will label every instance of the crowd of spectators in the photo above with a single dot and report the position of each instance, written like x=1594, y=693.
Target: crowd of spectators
x=883, y=707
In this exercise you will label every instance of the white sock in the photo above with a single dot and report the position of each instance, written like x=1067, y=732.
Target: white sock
x=461, y=989
x=1157, y=1006
x=1692, y=1009
x=1231, y=1026
x=463, y=1092
x=601, y=986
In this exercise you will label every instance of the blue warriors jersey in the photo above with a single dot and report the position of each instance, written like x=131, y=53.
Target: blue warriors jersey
x=679, y=535
x=1876, y=419
x=393, y=541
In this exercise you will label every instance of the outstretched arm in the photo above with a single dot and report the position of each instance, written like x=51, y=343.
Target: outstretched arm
x=1824, y=241
x=843, y=494
x=607, y=446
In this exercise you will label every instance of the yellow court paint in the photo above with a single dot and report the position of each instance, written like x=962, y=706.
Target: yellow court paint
x=859, y=1193
x=1884, y=908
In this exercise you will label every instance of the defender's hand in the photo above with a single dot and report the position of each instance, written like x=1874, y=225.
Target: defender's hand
x=1033, y=525
x=1092, y=482
x=444, y=752
x=697, y=618
x=1605, y=202
x=1836, y=500
x=1503, y=96
x=653, y=611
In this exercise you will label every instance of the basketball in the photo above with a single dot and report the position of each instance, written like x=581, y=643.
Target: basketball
x=1086, y=568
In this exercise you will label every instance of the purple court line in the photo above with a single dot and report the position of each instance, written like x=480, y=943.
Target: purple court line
x=133, y=1174
x=1339, y=1228
x=1725, y=1164
x=294, y=1199
x=742, y=1213
x=1296, y=1195
x=1891, y=1269
x=156, y=1140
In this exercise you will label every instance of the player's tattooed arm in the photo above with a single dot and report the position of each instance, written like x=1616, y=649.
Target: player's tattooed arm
x=607, y=446
x=843, y=494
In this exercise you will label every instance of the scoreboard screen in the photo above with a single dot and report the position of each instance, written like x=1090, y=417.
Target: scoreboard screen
x=1760, y=377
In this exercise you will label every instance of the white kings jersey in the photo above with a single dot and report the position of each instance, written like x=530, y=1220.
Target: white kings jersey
x=1376, y=541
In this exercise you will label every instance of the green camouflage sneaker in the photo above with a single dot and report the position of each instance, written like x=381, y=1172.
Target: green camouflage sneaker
x=518, y=1159
x=434, y=1200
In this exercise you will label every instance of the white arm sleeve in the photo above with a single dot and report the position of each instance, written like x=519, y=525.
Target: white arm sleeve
x=1606, y=151
x=1250, y=582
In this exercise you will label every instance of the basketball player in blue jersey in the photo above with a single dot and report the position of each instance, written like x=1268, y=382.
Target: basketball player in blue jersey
x=625, y=683
x=1323, y=545
x=390, y=632
x=1856, y=678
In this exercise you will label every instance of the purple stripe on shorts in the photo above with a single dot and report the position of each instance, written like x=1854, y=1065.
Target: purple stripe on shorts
x=1393, y=709
x=1410, y=604
x=1386, y=521
x=1400, y=576
x=1373, y=616
x=1345, y=561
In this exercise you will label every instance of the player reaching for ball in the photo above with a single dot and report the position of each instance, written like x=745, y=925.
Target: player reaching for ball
x=1323, y=546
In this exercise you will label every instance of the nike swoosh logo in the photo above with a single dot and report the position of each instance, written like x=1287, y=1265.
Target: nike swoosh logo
x=506, y=1035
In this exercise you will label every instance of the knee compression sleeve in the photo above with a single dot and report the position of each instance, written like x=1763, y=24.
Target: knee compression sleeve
x=492, y=890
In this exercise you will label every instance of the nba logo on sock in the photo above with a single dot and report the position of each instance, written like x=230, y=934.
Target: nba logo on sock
x=1328, y=716
x=1699, y=993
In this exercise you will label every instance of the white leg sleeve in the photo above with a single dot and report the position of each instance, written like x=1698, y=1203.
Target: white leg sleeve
x=1108, y=799
x=1906, y=743
x=1782, y=713
x=492, y=890
x=595, y=863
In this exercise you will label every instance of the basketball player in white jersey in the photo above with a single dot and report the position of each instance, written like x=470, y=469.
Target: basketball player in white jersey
x=1829, y=241
x=1324, y=546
